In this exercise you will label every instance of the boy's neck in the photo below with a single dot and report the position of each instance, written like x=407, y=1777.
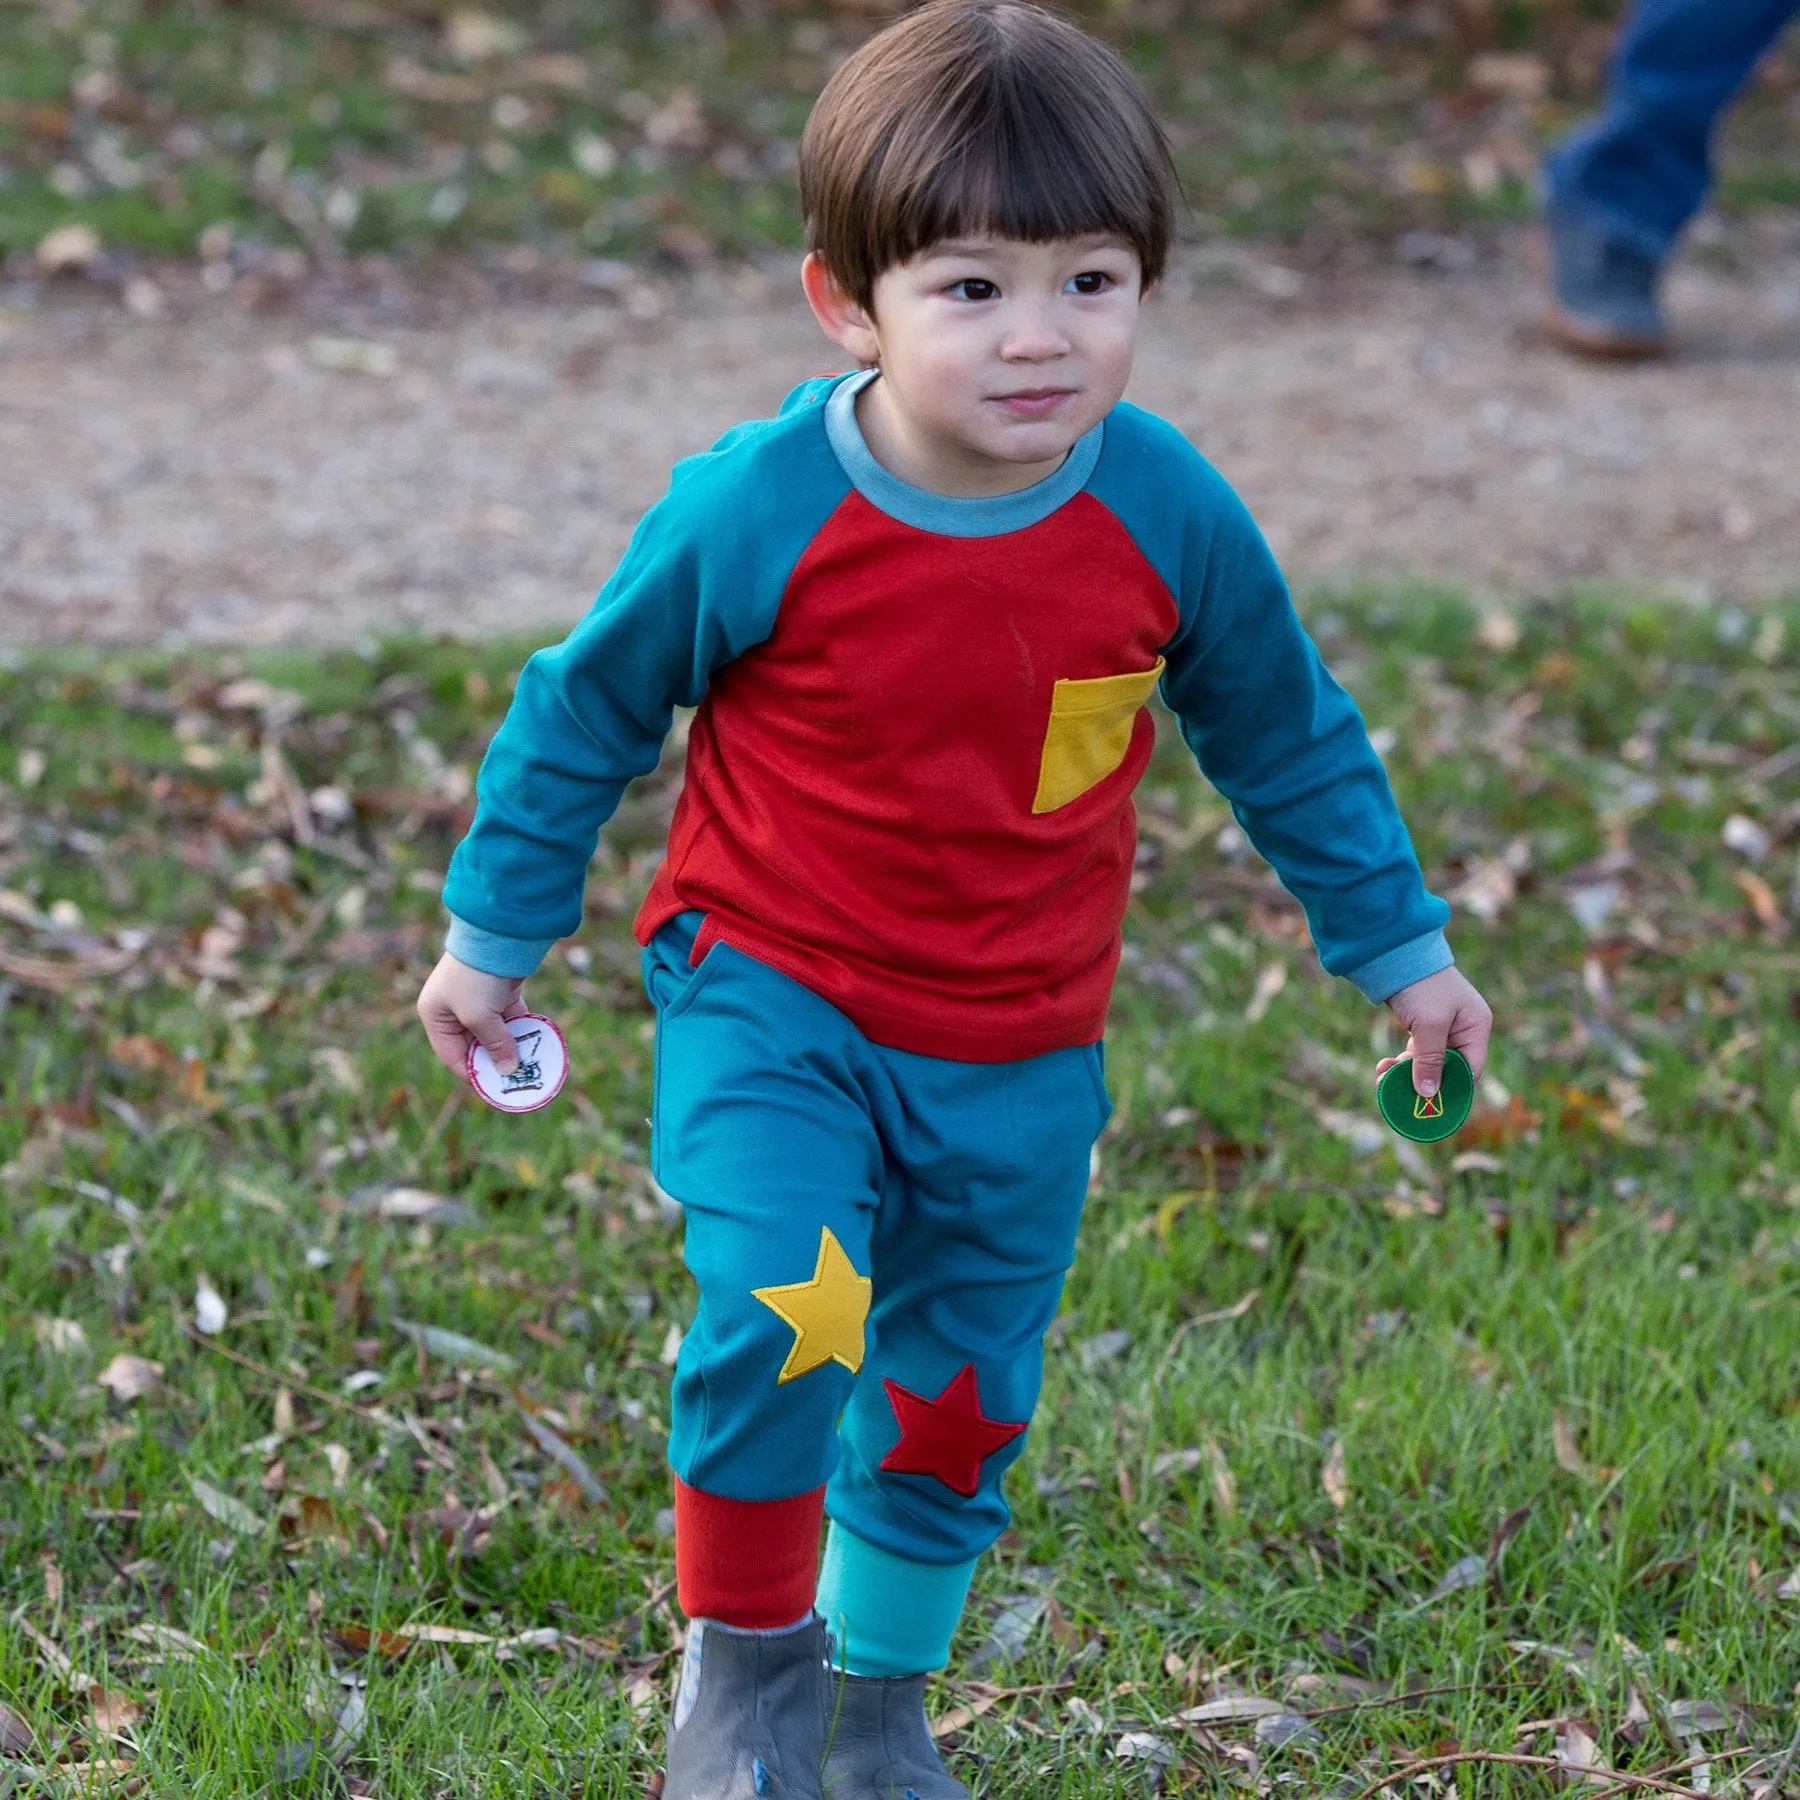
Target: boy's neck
x=924, y=460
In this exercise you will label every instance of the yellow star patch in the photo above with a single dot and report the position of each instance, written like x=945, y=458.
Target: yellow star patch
x=826, y=1313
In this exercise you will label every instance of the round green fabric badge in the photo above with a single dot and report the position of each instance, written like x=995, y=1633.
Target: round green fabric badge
x=1422, y=1120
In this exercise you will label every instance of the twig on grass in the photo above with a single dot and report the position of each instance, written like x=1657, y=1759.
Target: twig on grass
x=437, y=1127
x=1680, y=1768
x=1406, y=1699
x=374, y=1415
x=1512, y=1758
x=1787, y=1762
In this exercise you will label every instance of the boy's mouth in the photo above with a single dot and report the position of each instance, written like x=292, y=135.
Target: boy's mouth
x=1031, y=403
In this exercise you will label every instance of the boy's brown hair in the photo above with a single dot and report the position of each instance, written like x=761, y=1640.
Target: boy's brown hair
x=975, y=116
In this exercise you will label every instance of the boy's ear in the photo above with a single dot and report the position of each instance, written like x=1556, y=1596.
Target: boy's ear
x=840, y=317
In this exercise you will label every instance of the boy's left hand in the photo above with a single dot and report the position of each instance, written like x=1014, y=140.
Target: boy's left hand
x=1442, y=1010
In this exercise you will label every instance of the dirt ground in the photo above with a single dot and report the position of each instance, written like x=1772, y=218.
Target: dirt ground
x=216, y=473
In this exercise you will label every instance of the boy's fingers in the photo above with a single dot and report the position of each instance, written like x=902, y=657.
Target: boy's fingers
x=1429, y=1037
x=1476, y=1051
x=493, y=1037
x=450, y=1044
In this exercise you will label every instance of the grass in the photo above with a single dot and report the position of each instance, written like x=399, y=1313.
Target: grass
x=361, y=125
x=1510, y=1420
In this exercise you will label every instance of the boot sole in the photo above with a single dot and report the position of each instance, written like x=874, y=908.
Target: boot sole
x=1599, y=342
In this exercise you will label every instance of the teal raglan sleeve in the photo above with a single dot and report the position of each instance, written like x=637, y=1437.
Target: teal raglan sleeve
x=1270, y=727
x=700, y=583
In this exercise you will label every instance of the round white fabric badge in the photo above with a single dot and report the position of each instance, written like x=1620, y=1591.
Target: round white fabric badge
x=542, y=1069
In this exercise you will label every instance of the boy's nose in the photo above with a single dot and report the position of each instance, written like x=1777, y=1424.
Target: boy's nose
x=1034, y=340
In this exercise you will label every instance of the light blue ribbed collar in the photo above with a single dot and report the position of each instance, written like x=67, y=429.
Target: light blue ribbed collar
x=949, y=515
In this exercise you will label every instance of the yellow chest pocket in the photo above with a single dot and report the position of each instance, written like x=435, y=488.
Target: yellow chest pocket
x=1090, y=732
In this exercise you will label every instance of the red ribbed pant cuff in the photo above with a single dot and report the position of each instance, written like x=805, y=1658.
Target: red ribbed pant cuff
x=749, y=1563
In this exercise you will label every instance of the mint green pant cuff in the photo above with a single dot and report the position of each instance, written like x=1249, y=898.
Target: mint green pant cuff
x=888, y=1615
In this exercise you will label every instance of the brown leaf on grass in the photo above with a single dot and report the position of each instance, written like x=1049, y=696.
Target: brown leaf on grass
x=1224, y=1483
x=960, y=1717
x=57, y=974
x=130, y=1377
x=1505, y=1532
x=1334, y=1476
x=442, y=1634
x=54, y=1657
x=1578, y=1755
x=561, y=1452
x=360, y=1640
x=1762, y=902
x=564, y=1496
x=174, y=1645
x=1496, y=1126
x=1269, y=982
x=1568, y=1452
x=314, y=1518
x=1229, y=1708
x=110, y=1713
x=461, y=1531
x=143, y=1054
x=15, y=1734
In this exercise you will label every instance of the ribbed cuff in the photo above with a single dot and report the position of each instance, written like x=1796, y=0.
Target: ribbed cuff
x=1388, y=973
x=748, y=1563
x=509, y=957
x=888, y=1615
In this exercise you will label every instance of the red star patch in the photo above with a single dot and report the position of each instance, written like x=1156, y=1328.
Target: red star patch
x=949, y=1437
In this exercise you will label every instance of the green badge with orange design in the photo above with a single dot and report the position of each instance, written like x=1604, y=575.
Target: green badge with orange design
x=1426, y=1120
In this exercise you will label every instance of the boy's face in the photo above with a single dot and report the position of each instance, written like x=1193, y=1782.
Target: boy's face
x=996, y=355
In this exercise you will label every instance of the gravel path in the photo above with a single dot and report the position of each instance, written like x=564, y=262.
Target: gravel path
x=205, y=475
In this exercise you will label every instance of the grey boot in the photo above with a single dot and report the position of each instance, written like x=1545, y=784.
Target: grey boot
x=750, y=1716
x=881, y=1746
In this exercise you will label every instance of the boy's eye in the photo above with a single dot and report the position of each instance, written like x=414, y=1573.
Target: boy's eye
x=973, y=287
x=1091, y=281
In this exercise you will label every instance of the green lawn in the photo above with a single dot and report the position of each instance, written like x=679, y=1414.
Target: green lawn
x=1416, y=1448
x=645, y=126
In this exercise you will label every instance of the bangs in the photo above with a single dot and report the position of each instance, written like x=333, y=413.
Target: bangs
x=979, y=117
x=1013, y=162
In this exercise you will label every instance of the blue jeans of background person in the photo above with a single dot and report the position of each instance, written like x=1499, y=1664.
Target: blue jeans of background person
x=1636, y=174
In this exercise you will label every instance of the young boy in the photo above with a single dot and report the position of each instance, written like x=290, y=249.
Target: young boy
x=920, y=612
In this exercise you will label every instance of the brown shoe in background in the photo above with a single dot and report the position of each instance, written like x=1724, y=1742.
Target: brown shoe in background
x=1602, y=300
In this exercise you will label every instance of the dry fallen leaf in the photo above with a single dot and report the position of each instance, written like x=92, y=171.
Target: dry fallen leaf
x=1233, y=1706
x=360, y=1640
x=211, y=1314
x=1762, y=901
x=1224, y=1483
x=959, y=1716
x=1568, y=1452
x=1337, y=1485
x=69, y=249
x=53, y=1654
x=62, y=1337
x=1270, y=981
x=130, y=1377
x=561, y=1452
x=15, y=1734
x=110, y=1712
x=1579, y=1752
x=1498, y=631
x=316, y=1519
x=233, y=1514
x=175, y=1645
x=1466, y=1572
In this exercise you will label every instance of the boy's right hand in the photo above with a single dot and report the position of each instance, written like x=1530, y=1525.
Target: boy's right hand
x=461, y=1007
